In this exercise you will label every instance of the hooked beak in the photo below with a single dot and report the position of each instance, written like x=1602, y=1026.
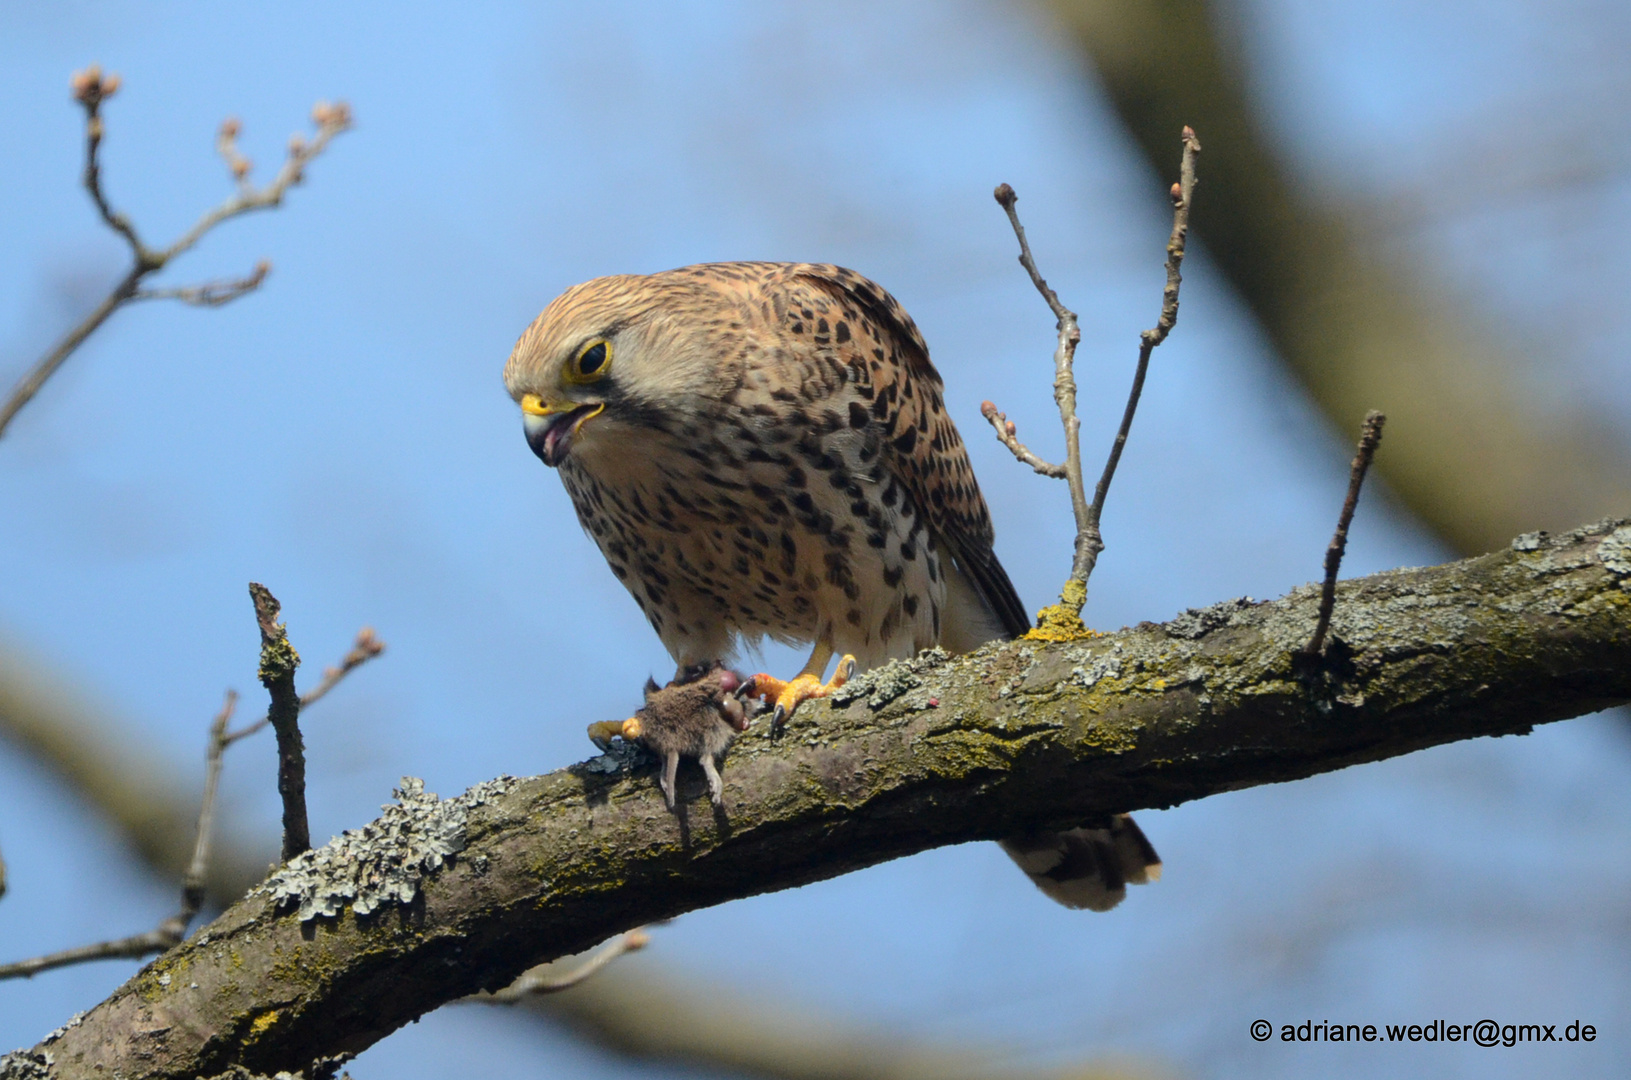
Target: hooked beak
x=551, y=426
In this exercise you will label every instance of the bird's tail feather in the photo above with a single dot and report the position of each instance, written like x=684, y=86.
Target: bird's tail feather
x=1087, y=867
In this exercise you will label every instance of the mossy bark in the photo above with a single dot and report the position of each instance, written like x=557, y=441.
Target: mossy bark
x=909, y=757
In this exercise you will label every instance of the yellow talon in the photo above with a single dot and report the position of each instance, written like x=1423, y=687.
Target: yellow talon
x=602, y=733
x=790, y=695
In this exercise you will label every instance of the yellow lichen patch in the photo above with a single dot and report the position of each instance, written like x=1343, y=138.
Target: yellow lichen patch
x=1114, y=738
x=263, y=1023
x=1063, y=621
x=1116, y=735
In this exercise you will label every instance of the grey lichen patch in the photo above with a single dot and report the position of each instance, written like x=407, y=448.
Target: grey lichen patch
x=73, y=1022
x=384, y=861
x=1529, y=541
x=882, y=685
x=1086, y=675
x=26, y=1065
x=1615, y=553
x=1583, y=532
x=1571, y=551
x=1198, y=622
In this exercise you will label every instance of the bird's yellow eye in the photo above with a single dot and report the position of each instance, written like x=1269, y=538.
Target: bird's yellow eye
x=592, y=362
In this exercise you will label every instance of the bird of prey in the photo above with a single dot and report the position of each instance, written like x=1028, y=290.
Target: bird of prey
x=762, y=450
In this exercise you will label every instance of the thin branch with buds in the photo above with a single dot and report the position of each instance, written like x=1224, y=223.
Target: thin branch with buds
x=1370, y=436
x=210, y=293
x=1008, y=435
x=1064, y=378
x=1089, y=538
x=1181, y=193
x=364, y=649
x=91, y=88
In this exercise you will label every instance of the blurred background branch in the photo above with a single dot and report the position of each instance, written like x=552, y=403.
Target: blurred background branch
x=172, y=930
x=1473, y=454
x=714, y=1027
x=106, y=766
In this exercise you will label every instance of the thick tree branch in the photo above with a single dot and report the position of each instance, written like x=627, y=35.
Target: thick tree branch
x=688, y=1017
x=463, y=895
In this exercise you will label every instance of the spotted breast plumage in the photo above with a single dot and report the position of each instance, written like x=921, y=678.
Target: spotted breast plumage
x=763, y=450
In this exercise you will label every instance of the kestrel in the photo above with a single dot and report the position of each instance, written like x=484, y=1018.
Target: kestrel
x=763, y=450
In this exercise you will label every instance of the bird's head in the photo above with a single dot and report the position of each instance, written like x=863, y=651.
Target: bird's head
x=609, y=358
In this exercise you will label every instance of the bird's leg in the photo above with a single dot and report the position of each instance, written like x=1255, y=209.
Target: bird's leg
x=602, y=732
x=807, y=685
x=818, y=659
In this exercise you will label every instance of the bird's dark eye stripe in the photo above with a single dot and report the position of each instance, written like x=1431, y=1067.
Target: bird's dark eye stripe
x=591, y=359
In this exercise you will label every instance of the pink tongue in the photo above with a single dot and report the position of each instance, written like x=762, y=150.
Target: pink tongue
x=557, y=431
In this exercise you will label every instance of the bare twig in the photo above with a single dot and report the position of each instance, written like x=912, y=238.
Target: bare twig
x=2, y=876
x=210, y=293
x=1087, y=552
x=277, y=668
x=1089, y=538
x=1369, y=437
x=330, y=121
x=91, y=88
x=364, y=649
x=1008, y=435
x=130, y=948
x=172, y=930
x=192, y=886
x=1064, y=378
x=544, y=979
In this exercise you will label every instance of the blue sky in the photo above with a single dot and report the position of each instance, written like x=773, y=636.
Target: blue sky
x=343, y=436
